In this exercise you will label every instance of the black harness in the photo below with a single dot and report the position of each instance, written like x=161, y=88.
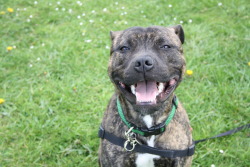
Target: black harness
x=131, y=143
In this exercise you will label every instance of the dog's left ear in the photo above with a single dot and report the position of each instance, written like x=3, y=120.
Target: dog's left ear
x=114, y=34
x=179, y=32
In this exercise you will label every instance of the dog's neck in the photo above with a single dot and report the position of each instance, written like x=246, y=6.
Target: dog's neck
x=141, y=119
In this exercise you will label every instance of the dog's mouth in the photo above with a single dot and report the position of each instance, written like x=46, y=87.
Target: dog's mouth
x=149, y=92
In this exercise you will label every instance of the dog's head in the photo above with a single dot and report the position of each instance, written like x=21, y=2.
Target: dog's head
x=147, y=64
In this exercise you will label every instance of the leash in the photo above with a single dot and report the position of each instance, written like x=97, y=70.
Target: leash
x=168, y=153
x=130, y=143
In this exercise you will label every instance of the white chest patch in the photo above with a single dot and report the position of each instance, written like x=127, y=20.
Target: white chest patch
x=146, y=160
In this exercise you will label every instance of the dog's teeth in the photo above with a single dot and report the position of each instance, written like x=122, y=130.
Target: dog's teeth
x=160, y=87
x=132, y=89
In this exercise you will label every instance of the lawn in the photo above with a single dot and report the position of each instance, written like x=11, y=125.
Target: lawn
x=54, y=86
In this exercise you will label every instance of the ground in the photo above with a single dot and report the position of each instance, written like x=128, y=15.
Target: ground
x=54, y=86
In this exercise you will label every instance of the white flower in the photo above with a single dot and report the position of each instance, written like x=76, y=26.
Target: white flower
x=30, y=65
x=81, y=24
x=107, y=47
x=105, y=10
x=92, y=11
x=24, y=9
x=63, y=9
x=123, y=7
x=78, y=2
x=181, y=22
x=28, y=20
x=125, y=13
x=58, y=2
x=190, y=20
x=212, y=165
x=35, y=2
x=219, y=4
x=221, y=151
x=38, y=59
x=83, y=14
x=145, y=16
x=88, y=40
x=31, y=16
x=50, y=4
x=78, y=17
x=116, y=3
x=31, y=47
x=115, y=22
x=43, y=44
x=91, y=21
x=121, y=14
x=125, y=22
x=175, y=19
x=17, y=14
x=14, y=47
x=17, y=9
x=83, y=33
x=57, y=9
x=170, y=6
x=142, y=11
x=70, y=10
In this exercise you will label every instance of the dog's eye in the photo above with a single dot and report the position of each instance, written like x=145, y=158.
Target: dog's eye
x=124, y=48
x=165, y=47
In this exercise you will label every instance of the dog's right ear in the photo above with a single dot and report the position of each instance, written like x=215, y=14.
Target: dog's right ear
x=114, y=34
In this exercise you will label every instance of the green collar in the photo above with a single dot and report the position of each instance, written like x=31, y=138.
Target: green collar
x=155, y=130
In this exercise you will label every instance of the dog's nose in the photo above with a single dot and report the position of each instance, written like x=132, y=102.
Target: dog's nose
x=144, y=64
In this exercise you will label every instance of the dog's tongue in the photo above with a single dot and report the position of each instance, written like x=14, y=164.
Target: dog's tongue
x=146, y=92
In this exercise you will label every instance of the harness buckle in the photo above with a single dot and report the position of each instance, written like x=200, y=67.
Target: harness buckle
x=131, y=142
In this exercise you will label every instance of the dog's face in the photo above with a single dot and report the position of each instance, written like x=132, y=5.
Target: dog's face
x=147, y=64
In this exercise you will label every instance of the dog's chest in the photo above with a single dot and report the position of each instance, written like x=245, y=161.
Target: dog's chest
x=147, y=160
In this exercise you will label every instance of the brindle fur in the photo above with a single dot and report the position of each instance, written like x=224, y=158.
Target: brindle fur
x=145, y=42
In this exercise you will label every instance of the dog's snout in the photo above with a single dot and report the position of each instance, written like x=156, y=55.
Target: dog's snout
x=144, y=64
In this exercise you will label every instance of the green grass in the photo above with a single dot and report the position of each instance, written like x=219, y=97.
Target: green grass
x=56, y=92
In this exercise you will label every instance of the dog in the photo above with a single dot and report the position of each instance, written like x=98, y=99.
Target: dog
x=146, y=66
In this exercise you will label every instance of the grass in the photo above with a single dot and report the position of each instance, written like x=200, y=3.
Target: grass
x=56, y=87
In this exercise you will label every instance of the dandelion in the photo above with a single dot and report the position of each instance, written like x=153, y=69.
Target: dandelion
x=9, y=48
x=2, y=13
x=189, y=72
x=248, y=63
x=219, y=4
x=221, y=151
x=2, y=100
x=190, y=20
x=170, y=6
x=10, y=10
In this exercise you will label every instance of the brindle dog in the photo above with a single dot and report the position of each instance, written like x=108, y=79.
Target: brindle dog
x=146, y=65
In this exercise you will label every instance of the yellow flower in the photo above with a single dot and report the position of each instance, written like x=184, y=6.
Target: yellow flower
x=2, y=101
x=2, y=13
x=9, y=48
x=248, y=63
x=10, y=10
x=189, y=72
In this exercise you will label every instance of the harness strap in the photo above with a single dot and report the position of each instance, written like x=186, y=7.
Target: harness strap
x=147, y=149
x=163, y=152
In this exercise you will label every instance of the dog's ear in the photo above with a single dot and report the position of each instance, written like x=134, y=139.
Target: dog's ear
x=114, y=34
x=179, y=32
